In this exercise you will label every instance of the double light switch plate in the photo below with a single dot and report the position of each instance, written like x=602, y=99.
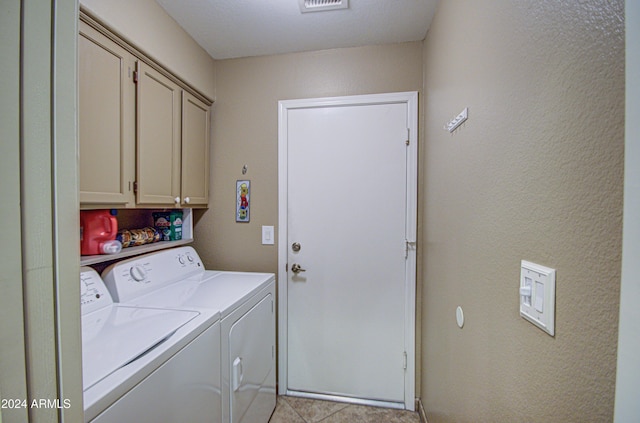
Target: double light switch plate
x=538, y=295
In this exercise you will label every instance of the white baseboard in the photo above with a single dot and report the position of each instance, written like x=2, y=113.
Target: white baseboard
x=421, y=412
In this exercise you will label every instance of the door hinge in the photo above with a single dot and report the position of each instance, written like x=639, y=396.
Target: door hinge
x=135, y=187
x=407, y=142
x=286, y=267
x=136, y=72
x=408, y=245
x=404, y=360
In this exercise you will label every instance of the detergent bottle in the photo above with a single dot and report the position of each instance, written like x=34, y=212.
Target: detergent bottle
x=98, y=229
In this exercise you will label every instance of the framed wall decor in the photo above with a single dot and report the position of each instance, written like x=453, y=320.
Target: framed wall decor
x=243, y=192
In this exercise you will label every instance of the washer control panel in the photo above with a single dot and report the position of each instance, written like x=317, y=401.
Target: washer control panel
x=137, y=276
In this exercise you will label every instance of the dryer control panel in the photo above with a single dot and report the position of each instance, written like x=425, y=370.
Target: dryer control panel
x=93, y=293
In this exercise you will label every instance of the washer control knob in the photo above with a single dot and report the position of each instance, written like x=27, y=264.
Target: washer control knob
x=137, y=273
x=181, y=259
x=189, y=258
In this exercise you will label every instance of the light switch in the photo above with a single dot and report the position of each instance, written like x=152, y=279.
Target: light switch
x=537, y=295
x=526, y=291
x=267, y=235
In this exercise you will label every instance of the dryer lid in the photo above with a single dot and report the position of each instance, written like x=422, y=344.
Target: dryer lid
x=215, y=290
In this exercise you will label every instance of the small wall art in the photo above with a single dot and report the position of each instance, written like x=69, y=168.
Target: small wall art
x=243, y=190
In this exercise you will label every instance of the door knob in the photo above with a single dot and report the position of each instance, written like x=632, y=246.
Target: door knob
x=296, y=246
x=295, y=268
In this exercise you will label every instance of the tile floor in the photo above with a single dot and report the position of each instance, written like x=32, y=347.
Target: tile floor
x=302, y=410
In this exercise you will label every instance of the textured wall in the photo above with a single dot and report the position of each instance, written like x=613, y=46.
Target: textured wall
x=536, y=173
x=145, y=24
x=245, y=131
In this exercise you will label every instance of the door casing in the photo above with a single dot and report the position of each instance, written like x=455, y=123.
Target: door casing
x=411, y=99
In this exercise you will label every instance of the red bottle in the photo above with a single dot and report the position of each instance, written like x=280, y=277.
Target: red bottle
x=96, y=228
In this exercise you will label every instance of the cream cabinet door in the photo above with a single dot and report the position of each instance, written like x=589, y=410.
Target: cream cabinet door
x=106, y=120
x=195, y=151
x=158, y=146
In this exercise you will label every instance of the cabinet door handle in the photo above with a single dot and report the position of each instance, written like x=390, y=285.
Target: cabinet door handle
x=176, y=200
x=187, y=200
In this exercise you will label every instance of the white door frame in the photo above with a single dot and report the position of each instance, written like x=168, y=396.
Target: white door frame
x=411, y=99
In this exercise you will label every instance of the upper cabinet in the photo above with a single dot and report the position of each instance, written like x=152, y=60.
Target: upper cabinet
x=106, y=127
x=173, y=143
x=158, y=147
x=144, y=134
x=196, y=118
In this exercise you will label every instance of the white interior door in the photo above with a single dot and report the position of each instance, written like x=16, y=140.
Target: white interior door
x=350, y=286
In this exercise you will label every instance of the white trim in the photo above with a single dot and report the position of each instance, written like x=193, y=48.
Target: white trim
x=283, y=144
x=411, y=99
x=411, y=265
x=348, y=400
x=627, y=406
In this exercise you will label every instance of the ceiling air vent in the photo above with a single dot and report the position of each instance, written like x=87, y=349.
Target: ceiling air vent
x=322, y=5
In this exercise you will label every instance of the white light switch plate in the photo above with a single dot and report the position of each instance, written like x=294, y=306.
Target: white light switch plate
x=267, y=235
x=538, y=295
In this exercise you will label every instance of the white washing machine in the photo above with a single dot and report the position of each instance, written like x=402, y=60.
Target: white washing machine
x=137, y=361
x=246, y=302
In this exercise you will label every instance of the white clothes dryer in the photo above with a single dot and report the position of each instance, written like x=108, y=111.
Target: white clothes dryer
x=137, y=361
x=246, y=303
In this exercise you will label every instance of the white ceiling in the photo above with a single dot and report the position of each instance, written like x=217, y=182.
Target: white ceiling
x=241, y=28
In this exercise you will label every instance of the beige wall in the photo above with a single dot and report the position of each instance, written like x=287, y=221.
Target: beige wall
x=145, y=24
x=536, y=173
x=245, y=131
